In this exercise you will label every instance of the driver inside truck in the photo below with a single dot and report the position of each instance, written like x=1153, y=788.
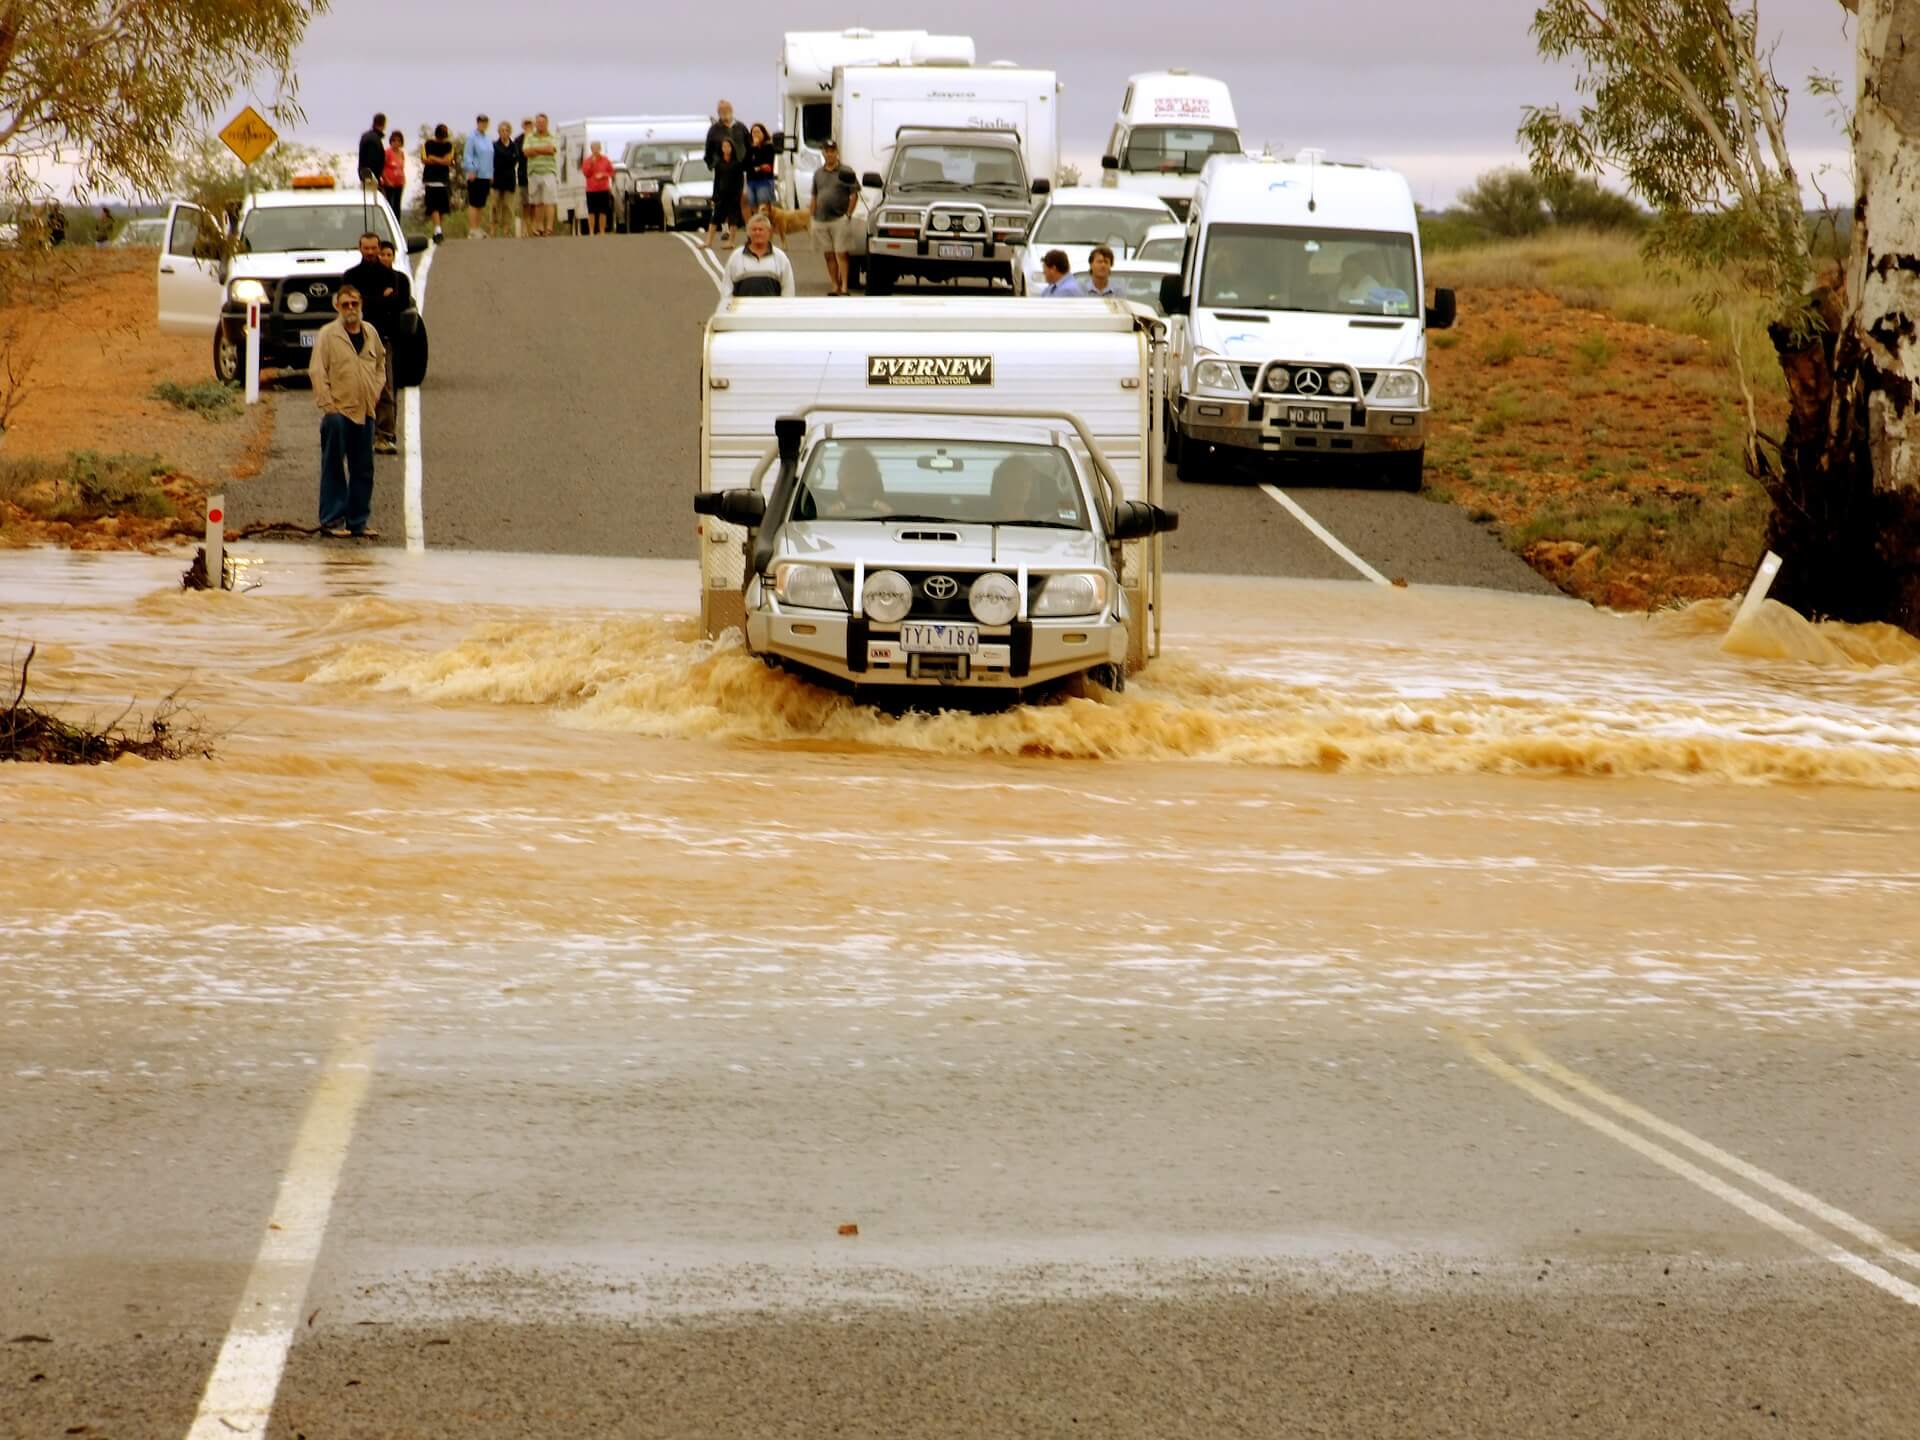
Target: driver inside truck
x=1357, y=280
x=862, y=493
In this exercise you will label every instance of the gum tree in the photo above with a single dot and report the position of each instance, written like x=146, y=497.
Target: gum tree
x=1681, y=98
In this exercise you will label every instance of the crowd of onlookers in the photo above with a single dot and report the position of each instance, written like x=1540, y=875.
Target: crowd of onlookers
x=511, y=180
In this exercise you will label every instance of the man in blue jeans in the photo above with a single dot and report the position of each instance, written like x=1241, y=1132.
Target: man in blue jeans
x=348, y=369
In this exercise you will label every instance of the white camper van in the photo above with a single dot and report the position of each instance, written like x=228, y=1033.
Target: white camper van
x=933, y=491
x=873, y=104
x=1298, y=318
x=808, y=59
x=1171, y=123
x=614, y=132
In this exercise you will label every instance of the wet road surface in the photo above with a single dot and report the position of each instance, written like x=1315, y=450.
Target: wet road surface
x=1430, y=1013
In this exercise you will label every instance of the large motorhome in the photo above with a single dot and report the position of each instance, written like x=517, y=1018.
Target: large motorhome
x=1298, y=318
x=615, y=133
x=1171, y=123
x=808, y=59
x=872, y=104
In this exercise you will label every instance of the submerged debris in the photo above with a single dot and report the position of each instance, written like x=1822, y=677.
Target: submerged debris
x=30, y=734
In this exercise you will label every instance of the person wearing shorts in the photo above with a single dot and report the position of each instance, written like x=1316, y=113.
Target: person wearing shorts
x=543, y=176
x=477, y=160
x=597, y=171
x=436, y=180
x=760, y=157
x=836, y=190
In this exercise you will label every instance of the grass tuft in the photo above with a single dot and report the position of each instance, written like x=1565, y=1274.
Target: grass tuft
x=207, y=398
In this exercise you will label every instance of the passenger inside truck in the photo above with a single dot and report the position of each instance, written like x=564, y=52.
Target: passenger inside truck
x=956, y=481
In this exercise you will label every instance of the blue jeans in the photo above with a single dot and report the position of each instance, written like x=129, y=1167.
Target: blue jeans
x=346, y=472
x=759, y=192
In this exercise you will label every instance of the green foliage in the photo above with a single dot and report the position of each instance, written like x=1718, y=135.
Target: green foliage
x=1595, y=352
x=1503, y=349
x=207, y=398
x=1678, y=97
x=1506, y=203
x=1581, y=200
x=85, y=485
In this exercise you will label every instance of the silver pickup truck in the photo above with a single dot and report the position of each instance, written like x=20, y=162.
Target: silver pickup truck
x=954, y=203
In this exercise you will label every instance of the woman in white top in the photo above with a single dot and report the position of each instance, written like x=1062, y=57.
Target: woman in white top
x=758, y=257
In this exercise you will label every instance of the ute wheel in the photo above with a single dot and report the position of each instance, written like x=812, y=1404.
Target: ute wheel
x=229, y=352
x=1406, y=470
x=1093, y=682
x=879, y=277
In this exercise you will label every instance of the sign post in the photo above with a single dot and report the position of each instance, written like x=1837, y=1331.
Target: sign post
x=216, y=550
x=248, y=136
x=253, y=352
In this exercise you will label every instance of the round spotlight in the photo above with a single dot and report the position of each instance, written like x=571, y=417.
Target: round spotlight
x=1339, y=382
x=973, y=222
x=943, y=221
x=297, y=303
x=994, y=599
x=886, y=596
x=1279, y=378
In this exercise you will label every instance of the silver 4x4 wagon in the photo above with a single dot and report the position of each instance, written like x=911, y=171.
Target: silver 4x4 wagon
x=954, y=203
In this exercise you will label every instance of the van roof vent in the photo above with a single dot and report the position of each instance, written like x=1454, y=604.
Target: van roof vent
x=928, y=535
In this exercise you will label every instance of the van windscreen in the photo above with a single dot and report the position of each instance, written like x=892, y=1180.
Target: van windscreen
x=1176, y=149
x=1283, y=267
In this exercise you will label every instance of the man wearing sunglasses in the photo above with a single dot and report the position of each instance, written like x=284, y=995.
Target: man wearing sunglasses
x=348, y=369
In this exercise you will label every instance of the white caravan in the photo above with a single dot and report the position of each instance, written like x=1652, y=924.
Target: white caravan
x=808, y=59
x=872, y=104
x=1298, y=321
x=939, y=565
x=615, y=133
x=1171, y=123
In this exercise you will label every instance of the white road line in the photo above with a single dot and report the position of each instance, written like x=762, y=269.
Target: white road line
x=246, y=1377
x=708, y=263
x=1888, y=1247
x=1775, y=1220
x=410, y=458
x=1326, y=536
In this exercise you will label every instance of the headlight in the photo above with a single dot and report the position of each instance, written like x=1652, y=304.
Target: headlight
x=1339, y=382
x=994, y=599
x=901, y=217
x=248, y=291
x=886, y=596
x=1398, y=385
x=811, y=586
x=1072, y=595
x=646, y=187
x=297, y=303
x=1216, y=375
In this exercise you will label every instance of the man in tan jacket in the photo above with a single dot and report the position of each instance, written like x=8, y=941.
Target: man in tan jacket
x=348, y=368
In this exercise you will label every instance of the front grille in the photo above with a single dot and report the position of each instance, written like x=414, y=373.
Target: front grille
x=320, y=304
x=928, y=607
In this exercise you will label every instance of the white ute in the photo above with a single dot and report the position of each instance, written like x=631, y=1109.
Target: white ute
x=1297, y=316
x=933, y=491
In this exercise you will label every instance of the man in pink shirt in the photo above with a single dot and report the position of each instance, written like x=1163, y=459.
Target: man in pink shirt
x=597, y=171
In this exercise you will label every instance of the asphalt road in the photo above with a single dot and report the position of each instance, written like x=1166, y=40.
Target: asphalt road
x=562, y=417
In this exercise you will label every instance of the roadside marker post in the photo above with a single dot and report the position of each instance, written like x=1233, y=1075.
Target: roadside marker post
x=1756, y=592
x=253, y=353
x=216, y=542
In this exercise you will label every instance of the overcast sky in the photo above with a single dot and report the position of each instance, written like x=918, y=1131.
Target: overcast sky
x=1432, y=87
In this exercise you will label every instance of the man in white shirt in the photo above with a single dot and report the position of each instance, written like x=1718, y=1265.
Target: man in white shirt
x=759, y=258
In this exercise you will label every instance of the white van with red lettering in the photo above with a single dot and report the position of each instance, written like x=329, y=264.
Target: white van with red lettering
x=1171, y=122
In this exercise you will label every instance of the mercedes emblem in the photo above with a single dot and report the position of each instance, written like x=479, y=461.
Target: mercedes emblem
x=1307, y=382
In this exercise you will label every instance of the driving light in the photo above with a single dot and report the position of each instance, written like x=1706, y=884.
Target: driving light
x=886, y=596
x=994, y=599
x=1339, y=382
x=1279, y=378
x=248, y=291
x=943, y=221
x=1398, y=385
x=1072, y=595
x=973, y=222
x=811, y=586
x=297, y=303
x=1216, y=375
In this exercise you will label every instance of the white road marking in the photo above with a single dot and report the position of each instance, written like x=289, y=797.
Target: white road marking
x=1326, y=536
x=708, y=261
x=246, y=1377
x=410, y=456
x=1756, y=1209
x=1888, y=1247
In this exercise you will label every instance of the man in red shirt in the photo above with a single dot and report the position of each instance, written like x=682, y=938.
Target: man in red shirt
x=597, y=171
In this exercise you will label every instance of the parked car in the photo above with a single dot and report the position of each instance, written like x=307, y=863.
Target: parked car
x=1078, y=218
x=151, y=231
x=954, y=204
x=1163, y=242
x=640, y=173
x=687, y=195
x=1137, y=281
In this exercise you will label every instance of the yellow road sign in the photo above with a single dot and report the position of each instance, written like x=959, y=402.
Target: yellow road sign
x=248, y=135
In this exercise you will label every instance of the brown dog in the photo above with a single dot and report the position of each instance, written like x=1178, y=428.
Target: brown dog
x=789, y=222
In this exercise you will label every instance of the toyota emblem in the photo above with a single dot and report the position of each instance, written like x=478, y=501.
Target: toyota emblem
x=1307, y=382
x=319, y=287
x=941, y=587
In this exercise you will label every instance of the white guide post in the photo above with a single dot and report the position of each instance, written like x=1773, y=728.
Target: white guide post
x=1756, y=592
x=216, y=542
x=253, y=352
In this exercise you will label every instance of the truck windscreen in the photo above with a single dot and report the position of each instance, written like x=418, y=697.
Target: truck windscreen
x=311, y=227
x=1175, y=151
x=1276, y=267
x=956, y=481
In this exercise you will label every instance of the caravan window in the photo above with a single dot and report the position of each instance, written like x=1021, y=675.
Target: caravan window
x=1176, y=150
x=816, y=122
x=1280, y=267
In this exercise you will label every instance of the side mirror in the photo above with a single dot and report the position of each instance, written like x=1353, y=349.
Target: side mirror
x=1136, y=520
x=1042, y=187
x=872, y=180
x=1109, y=162
x=789, y=143
x=1172, y=300
x=736, y=507
x=415, y=244
x=1440, y=314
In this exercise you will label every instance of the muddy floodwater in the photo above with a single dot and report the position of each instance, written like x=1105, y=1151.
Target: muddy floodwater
x=473, y=781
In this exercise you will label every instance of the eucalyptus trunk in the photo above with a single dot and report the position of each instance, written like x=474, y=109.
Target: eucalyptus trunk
x=1847, y=494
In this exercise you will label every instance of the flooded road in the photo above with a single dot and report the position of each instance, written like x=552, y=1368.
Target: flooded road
x=1251, y=1046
